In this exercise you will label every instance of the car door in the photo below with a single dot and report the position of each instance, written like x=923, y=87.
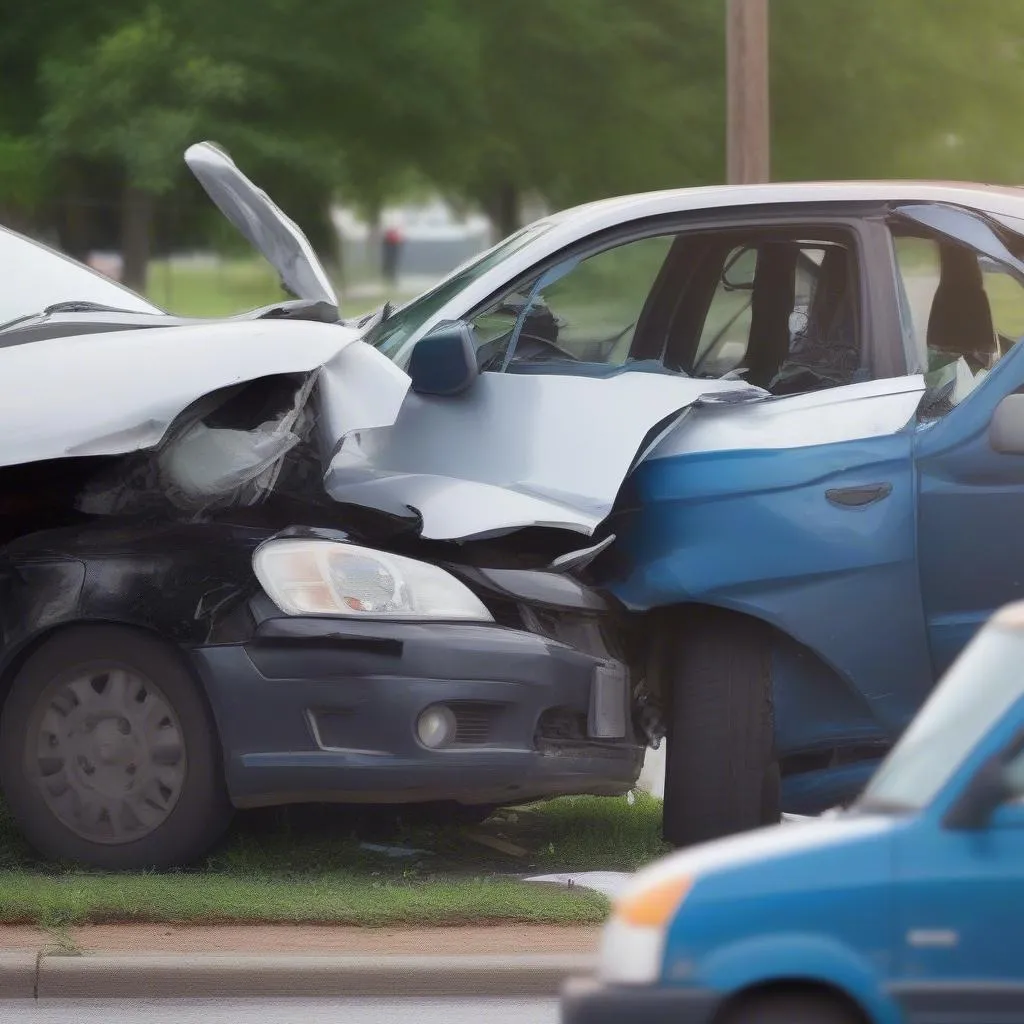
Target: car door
x=970, y=493
x=959, y=889
x=587, y=361
x=560, y=412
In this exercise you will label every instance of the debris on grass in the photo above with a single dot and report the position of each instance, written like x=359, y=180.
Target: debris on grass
x=608, y=883
x=394, y=851
x=497, y=843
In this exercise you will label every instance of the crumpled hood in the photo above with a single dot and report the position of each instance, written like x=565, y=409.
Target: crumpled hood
x=516, y=451
x=118, y=392
x=262, y=222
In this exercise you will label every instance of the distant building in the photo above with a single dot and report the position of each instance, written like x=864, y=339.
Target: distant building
x=434, y=238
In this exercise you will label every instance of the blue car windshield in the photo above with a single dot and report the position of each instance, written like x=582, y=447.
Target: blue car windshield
x=973, y=696
x=392, y=335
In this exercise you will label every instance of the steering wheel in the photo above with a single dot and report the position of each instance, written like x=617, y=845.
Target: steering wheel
x=557, y=352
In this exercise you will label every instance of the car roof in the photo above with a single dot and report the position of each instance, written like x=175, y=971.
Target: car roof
x=1003, y=200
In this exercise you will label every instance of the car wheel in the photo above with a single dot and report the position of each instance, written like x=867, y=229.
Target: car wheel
x=721, y=775
x=791, y=1008
x=108, y=754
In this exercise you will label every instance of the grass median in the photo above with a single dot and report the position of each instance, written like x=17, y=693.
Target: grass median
x=328, y=865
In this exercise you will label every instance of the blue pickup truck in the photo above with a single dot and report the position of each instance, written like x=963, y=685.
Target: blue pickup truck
x=825, y=386
x=903, y=908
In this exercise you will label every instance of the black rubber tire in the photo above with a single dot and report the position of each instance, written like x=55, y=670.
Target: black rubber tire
x=791, y=1008
x=203, y=810
x=721, y=775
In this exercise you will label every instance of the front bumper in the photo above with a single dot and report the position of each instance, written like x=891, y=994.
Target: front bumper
x=590, y=1002
x=317, y=709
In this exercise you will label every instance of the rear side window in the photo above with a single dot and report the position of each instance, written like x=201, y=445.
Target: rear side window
x=962, y=312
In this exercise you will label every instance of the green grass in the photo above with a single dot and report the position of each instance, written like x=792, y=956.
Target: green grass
x=307, y=865
x=229, y=286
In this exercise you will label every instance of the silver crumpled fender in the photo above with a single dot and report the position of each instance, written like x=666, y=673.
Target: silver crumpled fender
x=515, y=450
x=118, y=392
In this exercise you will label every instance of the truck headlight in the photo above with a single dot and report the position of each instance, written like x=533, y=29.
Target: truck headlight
x=633, y=942
x=320, y=577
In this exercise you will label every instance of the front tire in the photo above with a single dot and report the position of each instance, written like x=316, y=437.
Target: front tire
x=109, y=755
x=721, y=776
x=791, y=1008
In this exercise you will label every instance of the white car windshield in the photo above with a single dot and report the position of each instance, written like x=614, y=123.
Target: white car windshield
x=976, y=692
x=36, y=277
x=392, y=336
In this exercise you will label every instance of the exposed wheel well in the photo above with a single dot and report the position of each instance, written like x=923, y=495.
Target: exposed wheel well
x=654, y=633
x=793, y=987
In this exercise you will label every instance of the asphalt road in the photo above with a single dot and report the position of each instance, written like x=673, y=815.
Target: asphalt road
x=281, y=1011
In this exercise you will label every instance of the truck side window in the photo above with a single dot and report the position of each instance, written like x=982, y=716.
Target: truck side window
x=783, y=313
x=587, y=316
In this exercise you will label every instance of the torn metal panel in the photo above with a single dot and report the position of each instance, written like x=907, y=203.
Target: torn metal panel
x=210, y=464
x=113, y=393
x=849, y=413
x=514, y=451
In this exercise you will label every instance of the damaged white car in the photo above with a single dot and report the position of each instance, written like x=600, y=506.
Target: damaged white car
x=285, y=557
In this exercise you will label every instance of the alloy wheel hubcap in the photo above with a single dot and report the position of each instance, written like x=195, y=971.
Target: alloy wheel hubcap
x=107, y=753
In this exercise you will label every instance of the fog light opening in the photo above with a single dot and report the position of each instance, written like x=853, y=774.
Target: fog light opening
x=436, y=727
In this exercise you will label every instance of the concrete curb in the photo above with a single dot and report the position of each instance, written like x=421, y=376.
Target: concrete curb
x=18, y=974
x=149, y=976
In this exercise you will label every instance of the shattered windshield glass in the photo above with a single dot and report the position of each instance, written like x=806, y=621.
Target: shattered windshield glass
x=391, y=335
x=36, y=277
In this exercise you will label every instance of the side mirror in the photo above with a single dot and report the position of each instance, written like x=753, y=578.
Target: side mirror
x=1006, y=431
x=998, y=780
x=444, y=361
x=980, y=797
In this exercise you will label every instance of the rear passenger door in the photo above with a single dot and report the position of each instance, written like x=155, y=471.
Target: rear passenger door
x=963, y=295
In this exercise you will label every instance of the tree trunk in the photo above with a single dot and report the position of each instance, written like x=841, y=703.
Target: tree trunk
x=503, y=209
x=15, y=219
x=136, y=227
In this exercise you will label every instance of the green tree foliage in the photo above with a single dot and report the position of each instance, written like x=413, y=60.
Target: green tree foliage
x=914, y=88
x=487, y=100
x=136, y=98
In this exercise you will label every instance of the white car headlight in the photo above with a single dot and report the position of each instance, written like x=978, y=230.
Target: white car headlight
x=321, y=577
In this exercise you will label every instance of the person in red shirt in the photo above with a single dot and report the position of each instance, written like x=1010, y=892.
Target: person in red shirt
x=390, y=250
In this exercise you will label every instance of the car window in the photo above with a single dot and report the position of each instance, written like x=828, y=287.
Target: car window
x=724, y=337
x=36, y=276
x=963, y=313
x=588, y=314
x=800, y=334
x=963, y=708
x=394, y=336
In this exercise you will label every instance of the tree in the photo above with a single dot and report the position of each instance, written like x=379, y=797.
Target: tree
x=922, y=88
x=581, y=100
x=137, y=98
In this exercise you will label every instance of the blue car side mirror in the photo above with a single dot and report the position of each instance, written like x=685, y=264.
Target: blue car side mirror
x=444, y=362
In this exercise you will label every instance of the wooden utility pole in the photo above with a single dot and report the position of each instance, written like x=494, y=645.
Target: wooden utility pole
x=747, y=107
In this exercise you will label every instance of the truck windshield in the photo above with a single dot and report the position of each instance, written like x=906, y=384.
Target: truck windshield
x=392, y=335
x=976, y=692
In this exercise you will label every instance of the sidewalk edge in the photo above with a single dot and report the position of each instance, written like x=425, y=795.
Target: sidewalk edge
x=147, y=976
